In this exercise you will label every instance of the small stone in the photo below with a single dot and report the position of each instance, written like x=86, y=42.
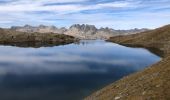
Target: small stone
x=157, y=86
x=117, y=98
x=143, y=93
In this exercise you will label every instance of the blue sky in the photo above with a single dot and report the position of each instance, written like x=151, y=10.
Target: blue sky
x=117, y=14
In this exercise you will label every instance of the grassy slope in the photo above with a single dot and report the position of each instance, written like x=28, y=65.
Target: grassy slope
x=151, y=84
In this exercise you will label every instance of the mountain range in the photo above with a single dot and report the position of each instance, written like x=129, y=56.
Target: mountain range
x=83, y=31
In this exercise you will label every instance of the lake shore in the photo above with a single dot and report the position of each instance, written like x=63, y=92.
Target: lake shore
x=153, y=83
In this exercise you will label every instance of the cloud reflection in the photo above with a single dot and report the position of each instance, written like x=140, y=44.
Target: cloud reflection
x=73, y=58
x=68, y=72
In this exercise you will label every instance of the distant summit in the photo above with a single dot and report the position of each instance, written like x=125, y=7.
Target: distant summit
x=83, y=31
x=84, y=27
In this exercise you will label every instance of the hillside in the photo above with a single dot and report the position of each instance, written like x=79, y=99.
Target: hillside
x=152, y=83
x=158, y=38
x=10, y=37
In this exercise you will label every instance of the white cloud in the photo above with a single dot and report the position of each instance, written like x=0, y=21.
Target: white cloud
x=23, y=6
x=114, y=4
x=67, y=12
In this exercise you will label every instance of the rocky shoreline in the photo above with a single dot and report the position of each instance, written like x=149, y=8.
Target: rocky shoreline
x=153, y=83
x=22, y=39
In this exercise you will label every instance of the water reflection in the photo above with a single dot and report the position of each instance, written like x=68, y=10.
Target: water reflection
x=68, y=72
x=35, y=44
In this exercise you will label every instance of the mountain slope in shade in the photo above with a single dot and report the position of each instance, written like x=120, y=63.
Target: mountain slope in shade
x=152, y=83
x=79, y=31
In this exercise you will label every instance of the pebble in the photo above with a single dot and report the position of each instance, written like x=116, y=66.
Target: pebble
x=117, y=98
x=157, y=86
x=143, y=93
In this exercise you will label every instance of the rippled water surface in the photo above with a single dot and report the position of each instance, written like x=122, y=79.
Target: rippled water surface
x=68, y=72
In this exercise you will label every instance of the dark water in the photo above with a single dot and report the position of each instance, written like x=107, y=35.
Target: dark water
x=68, y=72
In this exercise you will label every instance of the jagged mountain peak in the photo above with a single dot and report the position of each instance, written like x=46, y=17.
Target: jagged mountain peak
x=84, y=27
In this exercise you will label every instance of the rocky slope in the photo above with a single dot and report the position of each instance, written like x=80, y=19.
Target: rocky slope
x=10, y=37
x=152, y=83
x=79, y=31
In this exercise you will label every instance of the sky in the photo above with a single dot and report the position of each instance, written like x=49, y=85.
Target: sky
x=117, y=14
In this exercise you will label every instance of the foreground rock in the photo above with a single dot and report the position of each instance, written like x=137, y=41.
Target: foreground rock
x=79, y=31
x=9, y=37
x=151, y=84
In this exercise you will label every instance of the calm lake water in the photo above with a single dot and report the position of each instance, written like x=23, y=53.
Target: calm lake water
x=68, y=72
